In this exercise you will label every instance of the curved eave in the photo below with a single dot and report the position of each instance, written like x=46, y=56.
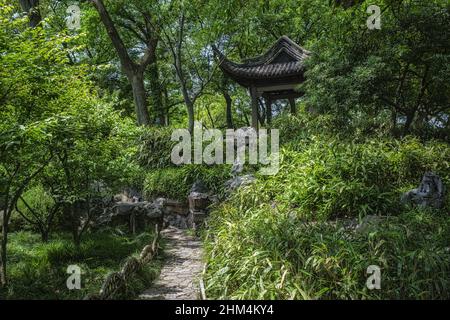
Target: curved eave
x=279, y=73
x=247, y=74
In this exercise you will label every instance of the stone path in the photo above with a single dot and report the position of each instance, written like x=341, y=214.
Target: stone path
x=182, y=268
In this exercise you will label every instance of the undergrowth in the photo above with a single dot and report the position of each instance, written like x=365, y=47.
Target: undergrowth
x=37, y=270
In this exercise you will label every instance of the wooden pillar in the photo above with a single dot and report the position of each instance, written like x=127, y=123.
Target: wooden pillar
x=292, y=103
x=269, y=110
x=254, y=96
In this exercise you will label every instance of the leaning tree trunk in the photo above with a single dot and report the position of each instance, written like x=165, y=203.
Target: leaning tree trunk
x=134, y=71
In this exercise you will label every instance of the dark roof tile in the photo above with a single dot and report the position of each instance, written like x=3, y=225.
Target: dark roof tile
x=284, y=59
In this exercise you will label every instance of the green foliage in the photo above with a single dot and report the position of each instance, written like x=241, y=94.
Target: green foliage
x=176, y=182
x=38, y=209
x=287, y=236
x=394, y=79
x=38, y=270
x=66, y=139
x=167, y=182
x=155, y=147
x=264, y=253
x=336, y=178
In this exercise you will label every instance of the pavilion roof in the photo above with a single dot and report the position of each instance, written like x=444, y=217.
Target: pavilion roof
x=283, y=62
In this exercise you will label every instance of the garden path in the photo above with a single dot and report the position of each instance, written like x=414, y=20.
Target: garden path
x=179, y=277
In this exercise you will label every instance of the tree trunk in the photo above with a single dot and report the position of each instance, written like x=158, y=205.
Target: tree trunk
x=156, y=94
x=75, y=228
x=134, y=72
x=31, y=7
x=409, y=120
x=140, y=97
x=44, y=235
x=4, y=241
x=228, y=113
x=190, y=110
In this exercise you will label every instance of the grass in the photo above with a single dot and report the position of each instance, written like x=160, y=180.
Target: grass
x=38, y=270
x=268, y=254
x=286, y=236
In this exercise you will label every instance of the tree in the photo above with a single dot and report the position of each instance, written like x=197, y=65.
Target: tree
x=55, y=130
x=193, y=71
x=21, y=162
x=394, y=78
x=23, y=155
x=133, y=70
x=39, y=209
x=31, y=7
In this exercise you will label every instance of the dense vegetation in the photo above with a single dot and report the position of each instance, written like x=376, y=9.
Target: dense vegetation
x=86, y=113
x=301, y=243
x=39, y=270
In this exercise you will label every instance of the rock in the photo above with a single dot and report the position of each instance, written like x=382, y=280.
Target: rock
x=430, y=192
x=368, y=223
x=176, y=220
x=153, y=210
x=237, y=168
x=239, y=181
x=199, y=187
x=136, y=215
x=199, y=201
x=128, y=195
x=175, y=207
x=243, y=135
x=161, y=201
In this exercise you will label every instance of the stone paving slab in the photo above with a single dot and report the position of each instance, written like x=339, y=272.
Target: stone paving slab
x=182, y=268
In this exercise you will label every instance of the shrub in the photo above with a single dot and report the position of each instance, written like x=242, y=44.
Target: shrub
x=176, y=182
x=166, y=182
x=285, y=236
x=337, y=178
x=264, y=253
x=38, y=270
x=155, y=147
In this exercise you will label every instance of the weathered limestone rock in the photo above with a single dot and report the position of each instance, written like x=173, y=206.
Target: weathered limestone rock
x=137, y=215
x=239, y=181
x=175, y=207
x=199, y=201
x=368, y=223
x=237, y=168
x=175, y=213
x=430, y=192
x=128, y=195
x=199, y=187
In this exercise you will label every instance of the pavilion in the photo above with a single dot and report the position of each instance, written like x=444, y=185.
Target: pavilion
x=274, y=75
